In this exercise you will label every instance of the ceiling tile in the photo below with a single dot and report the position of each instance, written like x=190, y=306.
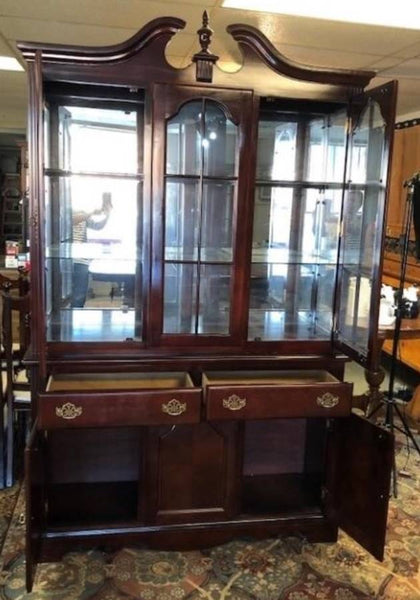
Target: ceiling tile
x=124, y=13
x=410, y=51
x=318, y=33
x=64, y=33
x=327, y=58
x=408, y=99
x=384, y=63
x=406, y=69
x=12, y=81
x=5, y=48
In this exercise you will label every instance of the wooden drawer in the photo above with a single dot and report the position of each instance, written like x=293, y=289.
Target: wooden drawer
x=270, y=395
x=119, y=399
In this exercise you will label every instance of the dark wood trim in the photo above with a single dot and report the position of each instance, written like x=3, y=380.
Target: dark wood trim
x=314, y=528
x=162, y=27
x=36, y=206
x=250, y=38
x=407, y=124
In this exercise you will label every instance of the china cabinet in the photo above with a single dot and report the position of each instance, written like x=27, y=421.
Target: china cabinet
x=206, y=253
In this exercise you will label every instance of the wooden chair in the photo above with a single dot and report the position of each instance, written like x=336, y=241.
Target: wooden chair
x=17, y=286
x=17, y=392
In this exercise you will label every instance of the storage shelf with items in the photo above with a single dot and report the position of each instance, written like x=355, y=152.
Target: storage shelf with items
x=13, y=194
x=207, y=256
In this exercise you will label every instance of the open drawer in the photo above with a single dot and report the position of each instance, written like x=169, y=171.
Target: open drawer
x=118, y=399
x=275, y=394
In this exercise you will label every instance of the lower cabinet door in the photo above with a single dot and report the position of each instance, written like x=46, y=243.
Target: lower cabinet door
x=192, y=473
x=361, y=484
x=35, y=501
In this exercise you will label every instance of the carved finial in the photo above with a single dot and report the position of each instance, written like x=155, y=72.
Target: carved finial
x=205, y=59
x=205, y=33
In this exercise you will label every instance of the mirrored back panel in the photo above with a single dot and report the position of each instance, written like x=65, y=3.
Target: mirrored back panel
x=297, y=208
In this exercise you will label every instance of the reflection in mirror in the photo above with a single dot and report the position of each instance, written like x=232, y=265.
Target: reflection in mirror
x=326, y=148
x=276, y=150
x=93, y=247
x=294, y=249
x=97, y=140
x=297, y=208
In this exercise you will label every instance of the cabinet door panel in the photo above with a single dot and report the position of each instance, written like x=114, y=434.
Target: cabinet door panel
x=35, y=502
x=200, y=214
x=363, y=223
x=361, y=491
x=192, y=473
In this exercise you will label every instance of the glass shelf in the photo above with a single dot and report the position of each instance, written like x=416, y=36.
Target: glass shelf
x=272, y=325
x=105, y=251
x=93, y=325
x=287, y=256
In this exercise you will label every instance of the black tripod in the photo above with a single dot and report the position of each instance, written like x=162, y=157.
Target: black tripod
x=412, y=203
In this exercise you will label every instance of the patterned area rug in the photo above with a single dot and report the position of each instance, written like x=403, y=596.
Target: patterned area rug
x=273, y=569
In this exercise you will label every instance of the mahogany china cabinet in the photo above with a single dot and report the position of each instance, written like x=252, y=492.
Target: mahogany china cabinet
x=206, y=254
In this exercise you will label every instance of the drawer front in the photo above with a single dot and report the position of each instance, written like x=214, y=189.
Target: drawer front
x=116, y=409
x=276, y=401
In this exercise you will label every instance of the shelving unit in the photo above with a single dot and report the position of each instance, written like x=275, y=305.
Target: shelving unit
x=13, y=194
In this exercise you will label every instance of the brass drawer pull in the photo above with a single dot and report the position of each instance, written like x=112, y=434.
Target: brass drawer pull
x=234, y=402
x=174, y=407
x=327, y=400
x=68, y=411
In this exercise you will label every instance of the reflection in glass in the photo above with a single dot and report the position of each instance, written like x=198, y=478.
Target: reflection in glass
x=91, y=258
x=361, y=240
x=326, y=148
x=91, y=325
x=295, y=240
x=98, y=140
x=183, y=228
x=317, y=150
x=179, y=298
x=276, y=150
x=219, y=142
x=217, y=221
x=183, y=140
x=200, y=192
x=280, y=310
x=181, y=220
x=185, y=288
x=290, y=229
x=214, y=311
x=336, y=146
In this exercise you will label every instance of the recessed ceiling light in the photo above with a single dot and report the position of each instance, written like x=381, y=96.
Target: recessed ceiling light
x=7, y=63
x=405, y=14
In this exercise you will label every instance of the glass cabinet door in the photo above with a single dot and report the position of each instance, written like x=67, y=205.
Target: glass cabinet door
x=200, y=202
x=200, y=187
x=362, y=227
x=93, y=243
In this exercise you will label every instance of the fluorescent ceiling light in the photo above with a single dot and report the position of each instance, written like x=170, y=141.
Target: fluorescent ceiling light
x=7, y=63
x=404, y=13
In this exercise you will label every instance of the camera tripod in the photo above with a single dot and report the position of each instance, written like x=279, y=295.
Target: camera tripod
x=388, y=399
